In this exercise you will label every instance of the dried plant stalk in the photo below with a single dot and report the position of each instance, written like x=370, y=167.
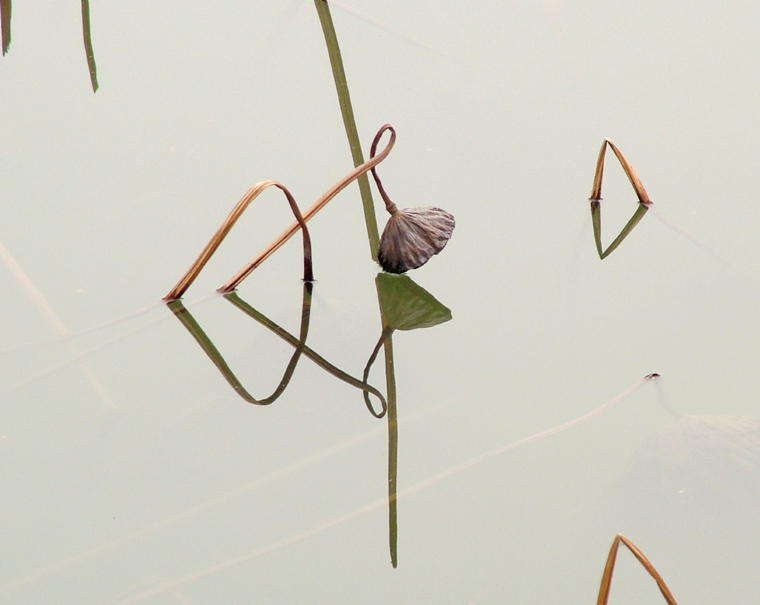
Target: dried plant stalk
x=310, y=212
x=638, y=187
x=227, y=225
x=596, y=196
x=604, y=588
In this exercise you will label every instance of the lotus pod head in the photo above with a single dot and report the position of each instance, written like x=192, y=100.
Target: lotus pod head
x=412, y=236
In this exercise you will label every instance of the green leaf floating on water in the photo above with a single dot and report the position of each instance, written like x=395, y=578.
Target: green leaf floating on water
x=407, y=306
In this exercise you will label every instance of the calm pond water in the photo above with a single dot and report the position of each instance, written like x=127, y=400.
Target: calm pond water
x=132, y=469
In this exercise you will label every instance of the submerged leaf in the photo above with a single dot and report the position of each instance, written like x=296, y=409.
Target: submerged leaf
x=412, y=236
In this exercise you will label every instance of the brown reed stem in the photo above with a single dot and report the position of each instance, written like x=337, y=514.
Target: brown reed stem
x=192, y=273
x=638, y=187
x=604, y=588
x=310, y=212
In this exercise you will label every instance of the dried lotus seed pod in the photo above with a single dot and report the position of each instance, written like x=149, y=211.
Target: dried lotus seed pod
x=412, y=236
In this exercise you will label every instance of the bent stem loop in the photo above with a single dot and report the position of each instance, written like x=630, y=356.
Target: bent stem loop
x=604, y=588
x=307, y=352
x=389, y=205
x=216, y=357
x=596, y=195
x=384, y=338
x=192, y=273
x=310, y=212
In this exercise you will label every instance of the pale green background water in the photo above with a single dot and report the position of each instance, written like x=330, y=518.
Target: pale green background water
x=180, y=492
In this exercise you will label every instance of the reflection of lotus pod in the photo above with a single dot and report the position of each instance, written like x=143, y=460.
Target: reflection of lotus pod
x=412, y=236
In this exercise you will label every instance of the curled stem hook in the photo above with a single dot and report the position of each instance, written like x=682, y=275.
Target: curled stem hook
x=389, y=205
x=386, y=334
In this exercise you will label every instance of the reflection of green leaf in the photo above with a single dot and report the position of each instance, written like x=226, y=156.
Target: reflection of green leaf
x=407, y=306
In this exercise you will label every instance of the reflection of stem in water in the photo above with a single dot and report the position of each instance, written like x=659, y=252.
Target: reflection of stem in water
x=214, y=502
x=377, y=504
x=213, y=353
x=5, y=36
x=390, y=381
x=299, y=343
x=316, y=358
x=87, y=36
x=386, y=341
x=5, y=24
x=346, y=109
x=596, y=218
x=403, y=306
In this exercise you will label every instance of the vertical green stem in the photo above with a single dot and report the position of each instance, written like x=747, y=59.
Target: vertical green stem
x=390, y=381
x=5, y=24
x=344, y=98
x=87, y=35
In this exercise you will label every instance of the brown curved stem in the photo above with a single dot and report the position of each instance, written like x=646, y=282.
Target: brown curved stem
x=604, y=588
x=310, y=212
x=192, y=273
x=389, y=205
x=638, y=187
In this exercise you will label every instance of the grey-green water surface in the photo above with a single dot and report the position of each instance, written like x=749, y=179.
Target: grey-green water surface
x=131, y=470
